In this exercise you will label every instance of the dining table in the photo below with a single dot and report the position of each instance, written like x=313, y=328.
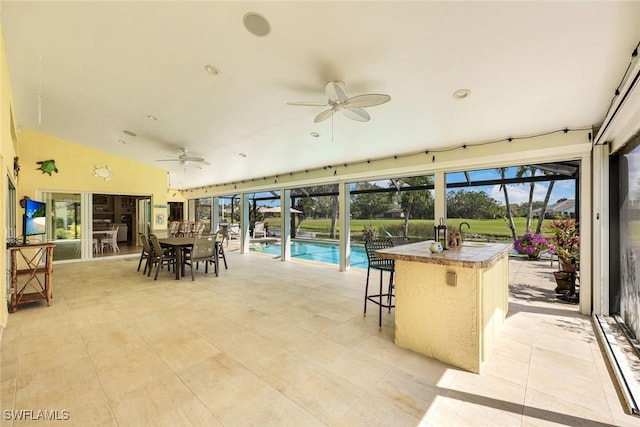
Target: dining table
x=180, y=245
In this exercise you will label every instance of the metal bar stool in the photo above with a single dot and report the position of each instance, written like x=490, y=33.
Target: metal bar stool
x=381, y=264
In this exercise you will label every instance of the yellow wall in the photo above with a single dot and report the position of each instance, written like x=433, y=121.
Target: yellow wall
x=7, y=153
x=76, y=166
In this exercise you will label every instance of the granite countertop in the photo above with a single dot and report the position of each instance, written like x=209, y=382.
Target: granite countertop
x=469, y=255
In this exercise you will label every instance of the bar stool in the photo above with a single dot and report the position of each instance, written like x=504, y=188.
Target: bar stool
x=381, y=264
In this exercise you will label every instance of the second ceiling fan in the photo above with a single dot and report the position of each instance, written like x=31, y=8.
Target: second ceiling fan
x=352, y=107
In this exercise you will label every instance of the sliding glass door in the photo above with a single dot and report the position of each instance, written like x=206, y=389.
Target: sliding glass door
x=64, y=225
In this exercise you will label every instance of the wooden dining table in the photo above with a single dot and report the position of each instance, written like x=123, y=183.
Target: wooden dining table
x=180, y=244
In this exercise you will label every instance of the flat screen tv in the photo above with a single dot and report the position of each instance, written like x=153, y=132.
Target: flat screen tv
x=35, y=218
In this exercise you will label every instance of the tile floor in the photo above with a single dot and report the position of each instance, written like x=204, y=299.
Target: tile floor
x=284, y=344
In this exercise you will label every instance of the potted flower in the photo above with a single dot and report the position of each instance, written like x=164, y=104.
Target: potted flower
x=531, y=245
x=566, y=243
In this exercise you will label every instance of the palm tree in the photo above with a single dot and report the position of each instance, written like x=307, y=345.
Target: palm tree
x=544, y=204
x=510, y=223
x=522, y=171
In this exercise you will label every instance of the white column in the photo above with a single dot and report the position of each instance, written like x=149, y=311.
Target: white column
x=600, y=234
x=215, y=214
x=285, y=225
x=440, y=201
x=244, y=224
x=344, y=209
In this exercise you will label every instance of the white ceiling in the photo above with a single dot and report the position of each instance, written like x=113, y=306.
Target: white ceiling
x=103, y=67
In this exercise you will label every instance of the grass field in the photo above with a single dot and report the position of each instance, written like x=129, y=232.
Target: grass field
x=419, y=229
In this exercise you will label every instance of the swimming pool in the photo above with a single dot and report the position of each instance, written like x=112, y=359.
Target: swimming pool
x=315, y=251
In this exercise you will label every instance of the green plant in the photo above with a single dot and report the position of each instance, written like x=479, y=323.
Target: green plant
x=565, y=239
x=369, y=232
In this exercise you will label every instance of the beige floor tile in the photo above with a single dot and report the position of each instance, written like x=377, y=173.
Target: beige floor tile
x=407, y=392
x=275, y=344
x=543, y=408
x=454, y=408
x=370, y=411
x=187, y=412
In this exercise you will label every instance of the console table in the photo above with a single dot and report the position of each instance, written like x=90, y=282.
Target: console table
x=31, y=270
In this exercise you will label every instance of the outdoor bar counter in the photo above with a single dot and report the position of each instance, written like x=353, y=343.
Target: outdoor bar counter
x=450, y=305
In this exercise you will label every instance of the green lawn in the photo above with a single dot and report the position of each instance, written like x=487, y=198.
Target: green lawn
x=419, y=229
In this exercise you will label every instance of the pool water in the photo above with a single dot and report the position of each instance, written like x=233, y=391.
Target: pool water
x=313, y=251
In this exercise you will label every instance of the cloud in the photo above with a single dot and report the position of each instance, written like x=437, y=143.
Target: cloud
x=520, y=193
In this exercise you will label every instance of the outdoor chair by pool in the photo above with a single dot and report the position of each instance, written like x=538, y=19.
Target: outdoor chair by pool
x=382, y=299
x=259, y=230
x=234, y=232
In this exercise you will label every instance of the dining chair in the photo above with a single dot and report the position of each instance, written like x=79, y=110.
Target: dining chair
x=96, y=245
x=185, y=228
x=146, y=254
x=219, y=238
x=160, y=256
x=111, y=239
x=198, y=228
x=174, y=228
x=203, y=250
x=374, y=262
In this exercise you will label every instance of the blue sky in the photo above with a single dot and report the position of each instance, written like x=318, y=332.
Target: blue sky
x=517, y=193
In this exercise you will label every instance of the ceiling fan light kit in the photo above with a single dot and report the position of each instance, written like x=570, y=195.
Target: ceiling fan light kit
x=351, y=107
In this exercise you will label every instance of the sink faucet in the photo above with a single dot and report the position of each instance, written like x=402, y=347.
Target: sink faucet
x=460, y=227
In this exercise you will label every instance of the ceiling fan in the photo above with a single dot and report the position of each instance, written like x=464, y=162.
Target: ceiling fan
x=185, y=159
x=352, y=107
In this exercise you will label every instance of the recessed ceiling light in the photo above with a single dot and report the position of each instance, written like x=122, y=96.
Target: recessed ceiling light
x=315, y=134
x=128, y=132
x=211, y=70
x=256, y=24
x=152, y=117
x=461, y=93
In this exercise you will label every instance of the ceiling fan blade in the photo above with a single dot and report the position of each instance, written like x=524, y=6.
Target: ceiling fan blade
x=323, y=115
x=368, y=100
x=335, y=92
x=356, y=114
x=308, y=104
x=192, y=159
x=168, y=160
